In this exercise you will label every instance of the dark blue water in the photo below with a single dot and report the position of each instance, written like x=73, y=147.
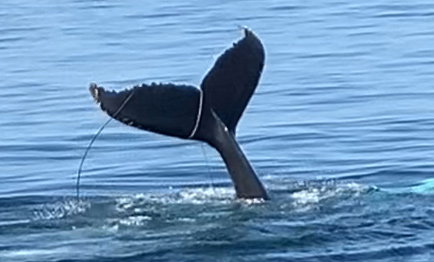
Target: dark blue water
x=341, y=131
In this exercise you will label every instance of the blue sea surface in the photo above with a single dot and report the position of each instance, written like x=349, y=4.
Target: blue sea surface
x=340, y=130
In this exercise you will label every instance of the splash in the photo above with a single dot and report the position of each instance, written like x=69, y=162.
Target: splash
x=60, y=210
x=303, y=196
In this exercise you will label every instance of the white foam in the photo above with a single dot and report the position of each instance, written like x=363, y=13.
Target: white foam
x=62, y=209
x=21, y=253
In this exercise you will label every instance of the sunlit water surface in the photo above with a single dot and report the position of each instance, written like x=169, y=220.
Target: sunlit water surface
x=341, y=131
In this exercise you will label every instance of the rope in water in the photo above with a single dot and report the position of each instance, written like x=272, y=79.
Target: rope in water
x=80, y=168
x=199, y=113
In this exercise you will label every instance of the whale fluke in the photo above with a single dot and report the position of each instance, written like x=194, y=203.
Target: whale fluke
x=162, y=108
x=232, y=80
x=209, y=114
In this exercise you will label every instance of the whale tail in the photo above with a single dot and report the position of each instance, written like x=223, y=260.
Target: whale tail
x=232, y=80
x=172, y=109
x=208, y=114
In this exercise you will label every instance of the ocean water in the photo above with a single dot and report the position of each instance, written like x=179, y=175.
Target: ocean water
x=340, y=130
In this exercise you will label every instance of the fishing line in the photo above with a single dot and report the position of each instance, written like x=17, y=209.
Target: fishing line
x=199, y=114
x=93, y=140
x=193, y=132
x=209, y=169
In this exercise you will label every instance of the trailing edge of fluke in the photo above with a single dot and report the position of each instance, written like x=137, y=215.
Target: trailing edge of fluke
x=209, y=114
